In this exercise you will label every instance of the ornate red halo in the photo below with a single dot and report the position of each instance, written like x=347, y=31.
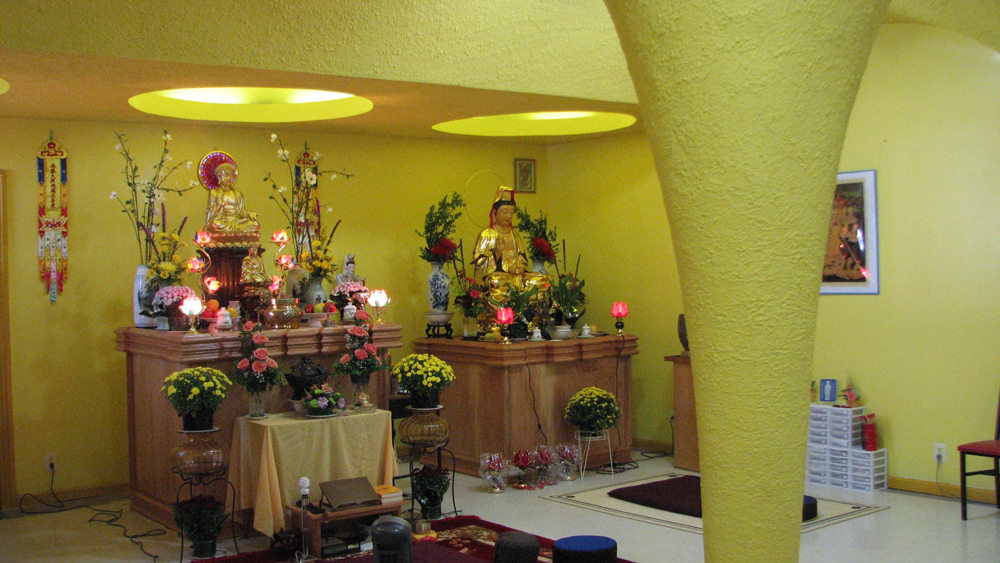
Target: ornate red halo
x=206, y=170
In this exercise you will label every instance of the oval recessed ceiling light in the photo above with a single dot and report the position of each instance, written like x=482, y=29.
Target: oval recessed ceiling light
x=538, y=124
x=4, y=86
x=251, y=105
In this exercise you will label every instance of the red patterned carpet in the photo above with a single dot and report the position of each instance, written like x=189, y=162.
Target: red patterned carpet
x=464, y=536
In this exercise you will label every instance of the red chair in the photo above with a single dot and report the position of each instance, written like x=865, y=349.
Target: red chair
x=986, y=448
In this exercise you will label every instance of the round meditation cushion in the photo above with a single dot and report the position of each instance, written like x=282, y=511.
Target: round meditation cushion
x=585, y=549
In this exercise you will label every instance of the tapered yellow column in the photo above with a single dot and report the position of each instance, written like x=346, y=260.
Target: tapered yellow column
x=746, y=105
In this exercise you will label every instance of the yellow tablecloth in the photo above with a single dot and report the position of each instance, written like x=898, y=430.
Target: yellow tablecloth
x=269, y=456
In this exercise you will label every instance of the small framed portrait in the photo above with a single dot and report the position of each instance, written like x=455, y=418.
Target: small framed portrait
x=850, y=264
x=524, y=175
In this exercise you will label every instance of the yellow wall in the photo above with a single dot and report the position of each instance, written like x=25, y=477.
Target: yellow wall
x=925, y=352
x=69, y=382
x=605, y=200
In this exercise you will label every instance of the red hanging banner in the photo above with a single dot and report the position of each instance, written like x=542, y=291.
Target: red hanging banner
x=53, y=249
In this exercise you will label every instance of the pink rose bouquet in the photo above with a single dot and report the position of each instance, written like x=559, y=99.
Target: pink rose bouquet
x=256, y=370
x=361, y=358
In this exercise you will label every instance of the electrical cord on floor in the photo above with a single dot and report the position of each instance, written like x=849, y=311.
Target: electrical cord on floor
x=109, y=517
x=937, y=480
x=630, y=465
x=538, y=419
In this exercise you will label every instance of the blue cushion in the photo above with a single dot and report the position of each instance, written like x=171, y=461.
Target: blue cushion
x=585, y=549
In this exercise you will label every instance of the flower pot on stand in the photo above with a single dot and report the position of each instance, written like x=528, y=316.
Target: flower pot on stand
x=438, y=288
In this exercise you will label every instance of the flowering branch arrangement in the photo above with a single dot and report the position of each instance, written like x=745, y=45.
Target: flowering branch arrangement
x=301, y=208
x=195, y=389
x=541, y=238
x=361, y=358
x=593, y=409
x=140, y=203
x=320, y=400
x=423, y=373
x=257, y=370
x=439, y=224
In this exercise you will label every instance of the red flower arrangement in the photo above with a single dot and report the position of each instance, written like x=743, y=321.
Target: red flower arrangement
x=444, y=250
x=543, y=249
x=257, y=370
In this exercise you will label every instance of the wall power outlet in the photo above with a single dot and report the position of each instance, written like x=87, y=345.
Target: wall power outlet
x=50, y=462
x=940, y=453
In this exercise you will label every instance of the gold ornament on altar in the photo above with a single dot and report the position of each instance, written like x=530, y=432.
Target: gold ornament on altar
x=227, y=220
x=499, y=256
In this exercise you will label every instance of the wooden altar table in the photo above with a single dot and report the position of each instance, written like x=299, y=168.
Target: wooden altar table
x=498, y=389
x=151, y=355
x=269, y=456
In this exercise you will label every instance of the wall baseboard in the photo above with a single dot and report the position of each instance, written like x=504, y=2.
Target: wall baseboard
x=99, y=495
x=941, y=489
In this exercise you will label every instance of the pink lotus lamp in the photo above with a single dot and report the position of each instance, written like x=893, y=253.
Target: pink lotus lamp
x=619, y=311
x=192, y=307
x=505, y=316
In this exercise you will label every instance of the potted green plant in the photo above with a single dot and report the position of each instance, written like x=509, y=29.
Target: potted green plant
x=424, y=376
x=568, y=297
x=429, y=484
x=195, y=393
x=593, y=410
x=200, y=518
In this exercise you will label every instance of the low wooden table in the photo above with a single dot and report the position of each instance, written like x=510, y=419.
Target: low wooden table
x=316, y=521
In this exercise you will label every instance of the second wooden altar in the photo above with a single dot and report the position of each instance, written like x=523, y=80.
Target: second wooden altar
x=508, y=397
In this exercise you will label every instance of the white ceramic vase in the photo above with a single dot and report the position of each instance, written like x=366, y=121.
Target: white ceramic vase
x=438, y=288
x=138, y=288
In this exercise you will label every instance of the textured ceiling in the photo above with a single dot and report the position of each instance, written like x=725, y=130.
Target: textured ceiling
x=420, y=62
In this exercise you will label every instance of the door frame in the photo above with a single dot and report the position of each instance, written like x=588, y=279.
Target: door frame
x=8, y=480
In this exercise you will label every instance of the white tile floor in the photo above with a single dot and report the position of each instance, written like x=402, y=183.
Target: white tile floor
x=916, y=528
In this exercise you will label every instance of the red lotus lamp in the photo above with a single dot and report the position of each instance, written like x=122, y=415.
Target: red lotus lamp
x=619, y=310
x=505, y=316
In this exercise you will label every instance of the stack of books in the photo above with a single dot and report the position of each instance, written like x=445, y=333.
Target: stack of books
x=389, y=493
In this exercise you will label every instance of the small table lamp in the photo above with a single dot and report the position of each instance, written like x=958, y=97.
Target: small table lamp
x=378, y=299
x=192, y=307
x=505, y=316
x=619, y=311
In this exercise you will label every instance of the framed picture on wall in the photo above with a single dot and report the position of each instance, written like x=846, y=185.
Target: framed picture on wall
x=524, y=175
x=850, y=265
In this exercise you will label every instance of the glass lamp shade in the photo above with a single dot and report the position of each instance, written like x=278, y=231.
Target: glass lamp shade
x=425, y=429
x=200, y=456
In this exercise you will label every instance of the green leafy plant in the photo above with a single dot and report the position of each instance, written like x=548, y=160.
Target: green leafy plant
x=429, y=484
x=423, y=373
x=521, y=301
x=592, y=409
x=195, y=389
x=439, y=224
x=542, y=245
x=567, y=294
x=200, y=517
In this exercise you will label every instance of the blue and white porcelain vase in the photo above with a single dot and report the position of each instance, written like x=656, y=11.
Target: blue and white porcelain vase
x=438, y=288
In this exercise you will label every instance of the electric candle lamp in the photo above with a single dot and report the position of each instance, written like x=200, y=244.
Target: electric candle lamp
x=378, y=299
x=619, y=310
x=286, y=262
x=201, y=238
x=195, y=264
x=192, y=307
x=212, y=284
x=276, y=283
x=280, y=238
x=505, y=316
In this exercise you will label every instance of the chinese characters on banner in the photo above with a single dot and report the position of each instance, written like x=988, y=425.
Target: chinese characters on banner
x=52, y=217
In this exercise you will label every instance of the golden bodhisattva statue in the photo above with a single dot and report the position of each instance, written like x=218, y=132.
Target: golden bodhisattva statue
x=499, y=257
x=226, y=218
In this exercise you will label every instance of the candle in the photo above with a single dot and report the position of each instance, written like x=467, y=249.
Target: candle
x=279, y=237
